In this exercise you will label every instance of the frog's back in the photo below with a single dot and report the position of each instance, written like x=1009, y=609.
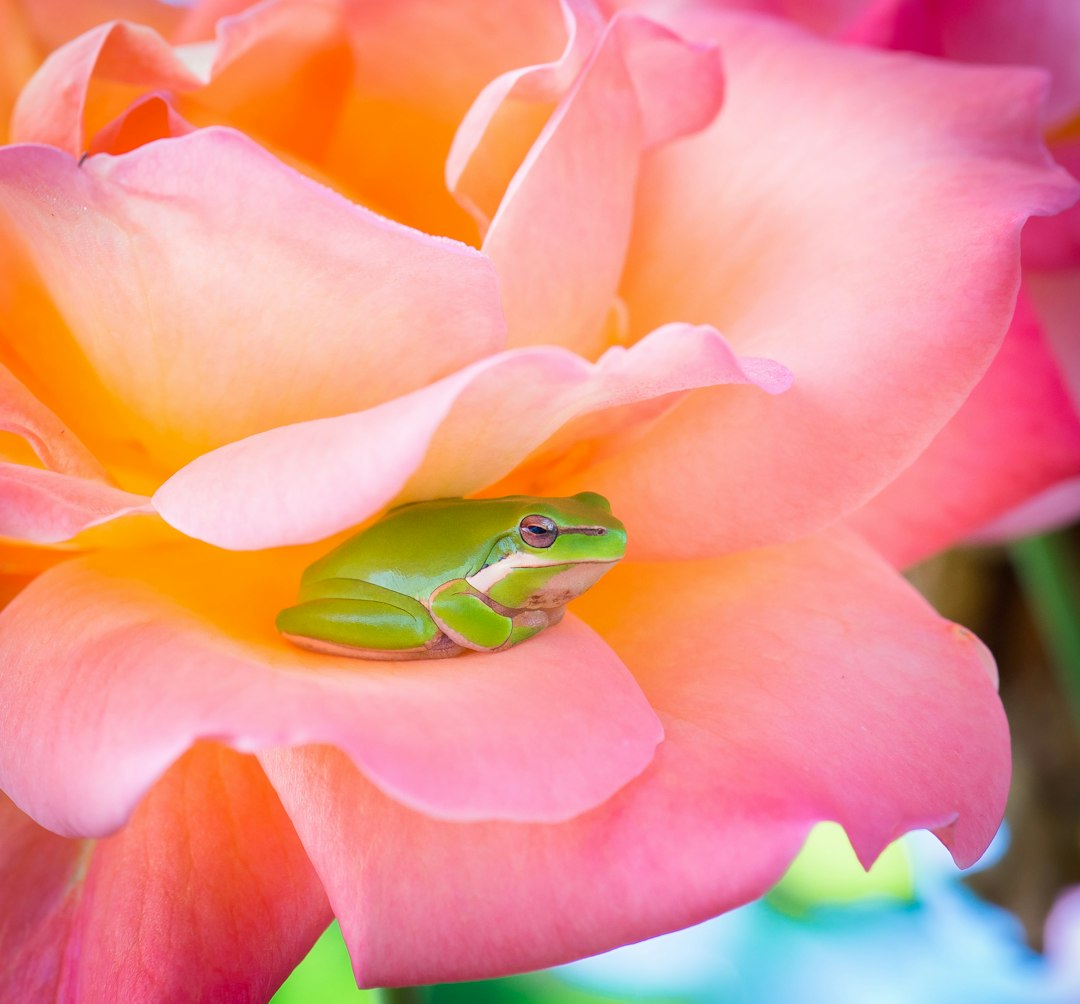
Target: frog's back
x=413, y=549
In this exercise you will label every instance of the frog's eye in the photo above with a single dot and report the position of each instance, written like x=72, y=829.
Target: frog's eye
x=538, y=531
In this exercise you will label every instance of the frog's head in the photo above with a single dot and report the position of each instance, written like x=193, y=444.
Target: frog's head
x=555, y=550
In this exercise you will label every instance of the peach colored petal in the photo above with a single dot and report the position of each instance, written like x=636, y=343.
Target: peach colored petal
x=796, y=684
x=52, y=441
x=121, y=57
x=1017, y=435
x=416, y=67
x=142, y=122
x=19, y=56
x=205, y=895
x=159, y=648
x=279, y=73
x=58, y=21
x=45, y=507
x=300, y=483
x=559, y=236
x=509, y=114
x=849, y=212
x=212, y=315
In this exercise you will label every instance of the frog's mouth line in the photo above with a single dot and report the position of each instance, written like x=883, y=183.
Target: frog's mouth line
x=490, y=574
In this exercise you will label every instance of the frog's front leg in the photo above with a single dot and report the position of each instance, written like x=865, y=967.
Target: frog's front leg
x=470, y=619
x=465, y=615
x=358, y=618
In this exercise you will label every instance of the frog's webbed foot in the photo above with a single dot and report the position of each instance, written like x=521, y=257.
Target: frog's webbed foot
x=531, y=622
x=356, y=618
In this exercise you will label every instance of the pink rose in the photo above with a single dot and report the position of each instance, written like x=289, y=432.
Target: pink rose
x=342, y=255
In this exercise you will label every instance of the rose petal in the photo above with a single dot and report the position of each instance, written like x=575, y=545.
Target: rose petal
x=323, y=313
x=57, y=21
x=393, y=80
x=303, y=482
x=560, y=234
x=1053, y=242
x=849, y=213
x=1016, y=435
x=1056, y=298
x=509, y=114
x=205, y=891
x=801, y=683
x=163, y=647
x=19, y=57
x=1052, y=509
x=46, y=507
x=1047, y=35
x=144, y=121
x=116, y=57
x=52, y=441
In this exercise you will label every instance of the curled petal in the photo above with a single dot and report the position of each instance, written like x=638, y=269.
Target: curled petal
x=510, y=112
x=52, y=441
x=796, y=684
x=161, y=648
x=207, y=889
x=323, y=80
x=144, y=121
x=303, y=482
x=119, y=55
x=560, y=234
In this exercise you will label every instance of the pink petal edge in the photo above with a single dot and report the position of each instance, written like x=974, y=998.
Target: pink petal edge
x=303, y=482
x=796, y=684
x=162, y=648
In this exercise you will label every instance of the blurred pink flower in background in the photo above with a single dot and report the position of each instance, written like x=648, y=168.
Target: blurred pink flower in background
x=324, y=257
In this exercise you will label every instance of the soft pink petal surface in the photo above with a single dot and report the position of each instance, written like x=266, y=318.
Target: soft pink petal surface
x=52, y=106
x=132, y=658
x=205, y=895
x=44, y=507
x=1016, y=436
x=559, y=236
x=301, y=483
x=212, y=313
x=848, y=212
x=801, y=683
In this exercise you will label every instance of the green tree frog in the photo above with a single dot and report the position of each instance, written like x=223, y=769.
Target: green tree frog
x=434, y=579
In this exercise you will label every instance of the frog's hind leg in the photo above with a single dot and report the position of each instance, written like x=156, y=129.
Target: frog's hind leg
x=363, y=620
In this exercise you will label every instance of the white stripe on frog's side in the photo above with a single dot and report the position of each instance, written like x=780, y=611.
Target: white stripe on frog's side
x=487, y=577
